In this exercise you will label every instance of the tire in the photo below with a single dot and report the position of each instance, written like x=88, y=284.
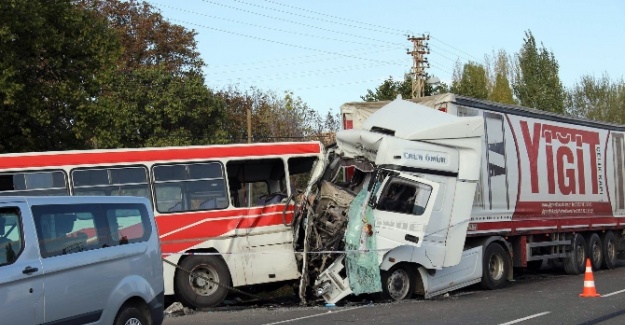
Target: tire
x=495, y=267
x=609, y=250
x=575, y=263
x=131, y=315
x=594, y=251
x=397, y=283
x=198, y=292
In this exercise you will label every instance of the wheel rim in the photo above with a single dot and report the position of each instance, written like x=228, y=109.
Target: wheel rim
x=132, y=321
x=398, y=284
x=596, y=253
x=199, y=284
x=611, y=250
x=580, y=255
x=495, y=267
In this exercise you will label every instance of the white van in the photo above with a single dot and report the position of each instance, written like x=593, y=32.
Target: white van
x=79, y=260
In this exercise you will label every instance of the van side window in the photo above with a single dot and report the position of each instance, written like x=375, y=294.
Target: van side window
x=73, y=228
x=11, y=239
x=190, y=187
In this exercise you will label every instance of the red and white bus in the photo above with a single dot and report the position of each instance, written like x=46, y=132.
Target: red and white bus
x=221, y=210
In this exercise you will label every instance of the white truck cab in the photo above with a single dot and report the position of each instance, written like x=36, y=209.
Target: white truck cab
x=420, y=195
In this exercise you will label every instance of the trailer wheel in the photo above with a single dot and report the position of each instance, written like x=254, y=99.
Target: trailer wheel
x=199, y=292
x=397, y=282
x=595, y=251
x=609, y=250
x=495, y=267
x=575, y=263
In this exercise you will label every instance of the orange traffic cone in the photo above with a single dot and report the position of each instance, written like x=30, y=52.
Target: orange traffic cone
x=589, y=283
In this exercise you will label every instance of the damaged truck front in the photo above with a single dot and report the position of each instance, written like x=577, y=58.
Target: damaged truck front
x=398, y=226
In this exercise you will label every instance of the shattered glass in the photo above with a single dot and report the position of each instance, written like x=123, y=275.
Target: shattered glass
x=363, y=268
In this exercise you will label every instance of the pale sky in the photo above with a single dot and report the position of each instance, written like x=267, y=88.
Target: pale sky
x=329, y=52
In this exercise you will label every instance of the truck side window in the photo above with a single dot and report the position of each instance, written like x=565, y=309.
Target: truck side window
x=11, y=240
x=403, y=196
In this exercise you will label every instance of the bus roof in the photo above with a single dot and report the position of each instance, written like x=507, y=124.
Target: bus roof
x=160, y=154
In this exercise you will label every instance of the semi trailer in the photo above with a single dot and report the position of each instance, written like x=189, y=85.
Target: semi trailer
x=429, y=195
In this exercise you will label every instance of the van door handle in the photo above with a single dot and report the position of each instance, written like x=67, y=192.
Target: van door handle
x=30, y=269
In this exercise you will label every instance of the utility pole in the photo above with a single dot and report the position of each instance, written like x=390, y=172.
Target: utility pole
x=249, y=125
x=419, y=63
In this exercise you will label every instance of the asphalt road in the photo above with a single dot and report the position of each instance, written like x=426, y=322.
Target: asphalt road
x=547, y=297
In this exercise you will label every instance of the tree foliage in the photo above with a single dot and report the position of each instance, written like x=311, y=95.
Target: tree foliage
x=471, y=81
x=537, y=83
x=598, y=99
x=156, y=96
x=52, y=57
x=390, y=88
x=499, y=71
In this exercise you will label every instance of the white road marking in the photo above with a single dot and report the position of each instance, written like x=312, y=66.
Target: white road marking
x=330, y=312
x=526, y=318
x=613, y=293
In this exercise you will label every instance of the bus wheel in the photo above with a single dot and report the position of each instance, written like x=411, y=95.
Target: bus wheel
x=595, y=251
x=495, y=267
x=202, y=291
x=397, y=282
x=609, y=250
x=575, y=263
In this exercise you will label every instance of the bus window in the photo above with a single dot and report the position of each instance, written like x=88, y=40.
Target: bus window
x=118, y=181
x=189, y=187
x=40, y=183
x=256, y=182
x=300, y=169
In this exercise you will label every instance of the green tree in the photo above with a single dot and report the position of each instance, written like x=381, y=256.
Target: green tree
x=156, y=96
x=390, y=88
x=470, y=81
x=537, y=83
x=598, y=99
x=499, y=78
x=150, y=106
x=52, y=55
x=147, y=38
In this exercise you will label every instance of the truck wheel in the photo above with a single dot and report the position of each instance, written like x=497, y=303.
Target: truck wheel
x=397, y=282
x=495, y=267
x=609, y=250
x=595, y=251
x=199, y=292
x=575, y=263
x=130, y=315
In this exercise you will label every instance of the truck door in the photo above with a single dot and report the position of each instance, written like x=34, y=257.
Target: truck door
x=403, y=209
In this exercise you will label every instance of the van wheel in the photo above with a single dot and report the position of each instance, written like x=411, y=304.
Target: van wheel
x=130, y=315
x=397, y=283
x=609, y=250
x=202, y=291
x=575, y=263
x=595, y=251
x=495, y=267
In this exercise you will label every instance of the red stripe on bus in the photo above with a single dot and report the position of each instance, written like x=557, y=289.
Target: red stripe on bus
x=153, y=154
x=171, y=222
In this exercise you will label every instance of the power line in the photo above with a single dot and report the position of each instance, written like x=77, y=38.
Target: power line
x=298, y=23
x=280, y=43
x=457, y=49
x=257, y=67
x=270, y=28
x=315, y=72
x=308, y=17
x=334, y=17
